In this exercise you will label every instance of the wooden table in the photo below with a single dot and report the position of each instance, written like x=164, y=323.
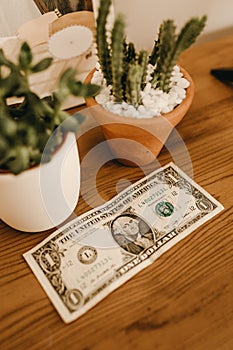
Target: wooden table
x=185, y=299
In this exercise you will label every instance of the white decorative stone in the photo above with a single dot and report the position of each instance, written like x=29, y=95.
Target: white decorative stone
x=183, y=83
x=155, y=101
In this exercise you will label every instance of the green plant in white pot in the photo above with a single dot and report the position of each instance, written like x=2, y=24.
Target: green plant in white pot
x=37, y=134
x=145, y=93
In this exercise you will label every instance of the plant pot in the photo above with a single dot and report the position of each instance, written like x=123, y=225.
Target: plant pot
x=136, y=141
x=43, y=196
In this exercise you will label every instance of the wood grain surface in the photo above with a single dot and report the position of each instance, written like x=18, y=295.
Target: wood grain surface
x=182, y=301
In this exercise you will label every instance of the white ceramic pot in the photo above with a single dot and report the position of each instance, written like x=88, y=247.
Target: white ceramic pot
x=43, y=196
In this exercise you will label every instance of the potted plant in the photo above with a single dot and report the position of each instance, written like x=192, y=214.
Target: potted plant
x=144, y=94
x=38, y=150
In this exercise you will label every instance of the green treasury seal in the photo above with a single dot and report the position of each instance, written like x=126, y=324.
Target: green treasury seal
x=164, y=209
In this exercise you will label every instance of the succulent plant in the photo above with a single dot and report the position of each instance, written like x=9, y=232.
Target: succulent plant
x=125, y=69
x=25, y=128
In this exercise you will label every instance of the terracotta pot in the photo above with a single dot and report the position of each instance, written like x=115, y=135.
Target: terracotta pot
x=43, y=196
x=136, y=141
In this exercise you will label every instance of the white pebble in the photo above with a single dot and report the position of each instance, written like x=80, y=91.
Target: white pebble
x=147, y=88
x=179, y=100
x=176, y=68
x=179, y=91
x=97, y=66
x=101, y=99
x=176, y=78
x=155, y=101
x=183, y=83
x=165, y=109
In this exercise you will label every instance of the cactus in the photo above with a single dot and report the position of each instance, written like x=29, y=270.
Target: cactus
x=118, y=59
x=131, y=53
x=129, y=56
x=143, y=61
x=102, y=41
x=115, y=58
x=162, y=50
x=169, y=46
x=133, y=84
x=117, y=48
x=25, y=128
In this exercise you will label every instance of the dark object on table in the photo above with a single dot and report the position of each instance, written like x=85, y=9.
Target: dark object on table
x=223, y=74
x=64, y=6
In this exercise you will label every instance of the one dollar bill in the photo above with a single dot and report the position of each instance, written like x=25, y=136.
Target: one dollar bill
x=82, y=262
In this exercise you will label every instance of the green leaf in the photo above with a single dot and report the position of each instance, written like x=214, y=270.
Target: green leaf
x=25, y=56
x=70, y=124
x=42, y=141
x=46, y=158
x=4, y=61
x=67, y=77
x=8, y=127
x=21, y=160
x=73, y=122
x=53, y=142
x=31, y=135
x=9, y=85
x=79, y=117
x=42, y=65
x=84, y=90
x=3, y=147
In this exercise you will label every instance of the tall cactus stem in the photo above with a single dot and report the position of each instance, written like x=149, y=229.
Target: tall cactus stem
x=117, y=46
x=143, y=61
x=170, y=46
x=102, y=40
x=133, y=85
